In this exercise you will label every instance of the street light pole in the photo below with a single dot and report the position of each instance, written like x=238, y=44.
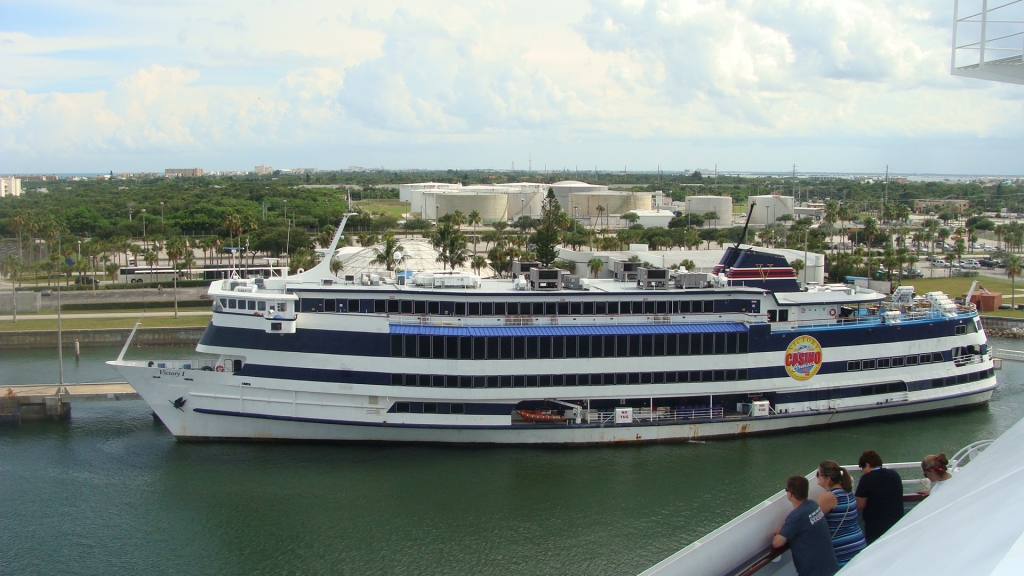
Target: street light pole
x=161, y=213
x=143, y=225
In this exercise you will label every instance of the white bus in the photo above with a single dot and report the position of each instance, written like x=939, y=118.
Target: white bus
x=138, y=274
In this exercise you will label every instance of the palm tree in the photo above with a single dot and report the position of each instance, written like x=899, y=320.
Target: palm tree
x=474, y=219
x=386, y=253
x=478, y=263
x=600, y=211
x=151, y=259
x=870, y=231
x=1013, y=266
x=845, y=215
x=595, y=265
x=831, y=217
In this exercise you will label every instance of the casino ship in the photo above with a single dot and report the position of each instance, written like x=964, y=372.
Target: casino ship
x=651, y=355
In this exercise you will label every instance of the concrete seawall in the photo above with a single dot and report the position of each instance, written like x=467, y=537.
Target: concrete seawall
x=1001, y=327
x=105, y=337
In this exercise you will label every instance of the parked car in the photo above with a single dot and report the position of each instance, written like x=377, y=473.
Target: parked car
x=913, y=273
x=86, y=280
x=968, y=265
x=205, y=296
x=46, y=292
x=988, y=263
x=940, y=264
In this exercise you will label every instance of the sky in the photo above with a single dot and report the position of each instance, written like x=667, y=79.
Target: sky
x=757, y=85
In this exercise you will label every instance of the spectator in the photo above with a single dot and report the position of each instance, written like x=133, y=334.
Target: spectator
x=806, y=531
x=879, y=495
x=840, y=508
x=934, y=469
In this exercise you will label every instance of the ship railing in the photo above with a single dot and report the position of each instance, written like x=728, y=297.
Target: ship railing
x=518, y=321
x=874, y=319
x=967, y=359
x=657, y=415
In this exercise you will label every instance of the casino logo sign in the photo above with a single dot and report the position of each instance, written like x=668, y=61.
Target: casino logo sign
x=803, y=358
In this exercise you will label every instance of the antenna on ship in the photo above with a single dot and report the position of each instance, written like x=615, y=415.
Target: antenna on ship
x=743, y=236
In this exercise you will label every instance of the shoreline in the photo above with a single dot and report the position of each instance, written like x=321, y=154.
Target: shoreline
x=89, y=338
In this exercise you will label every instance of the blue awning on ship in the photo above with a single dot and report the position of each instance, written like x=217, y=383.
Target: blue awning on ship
x=602, y=330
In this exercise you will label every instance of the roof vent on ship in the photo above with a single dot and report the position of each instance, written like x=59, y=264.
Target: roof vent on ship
x=758, y=269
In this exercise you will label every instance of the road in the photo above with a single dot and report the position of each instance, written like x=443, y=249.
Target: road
x=72, y=316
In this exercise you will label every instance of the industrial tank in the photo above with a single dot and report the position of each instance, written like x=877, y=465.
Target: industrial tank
x=721, y=205
x=492, y=206
x=768, y=209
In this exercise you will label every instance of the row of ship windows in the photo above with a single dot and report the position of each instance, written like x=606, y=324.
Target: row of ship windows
x=546, y=380
x=544, y=347
x=963, y=378
x=895, y=362
x=245, y=304
x=512, y=308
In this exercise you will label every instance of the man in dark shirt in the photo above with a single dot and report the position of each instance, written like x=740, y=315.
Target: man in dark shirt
x=807, y=533
x=879, y=495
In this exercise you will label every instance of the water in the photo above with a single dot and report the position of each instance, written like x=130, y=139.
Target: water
x=111, y=492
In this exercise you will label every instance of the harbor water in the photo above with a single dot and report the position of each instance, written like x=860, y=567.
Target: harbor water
x=111, y=492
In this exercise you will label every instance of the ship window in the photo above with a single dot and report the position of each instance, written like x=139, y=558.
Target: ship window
x=783, y=315
x=275, y=325
x=341, y=305
x=506, y=381
x=773, y=315
x=306, y=304
x=659, y=344
x=366, y=306
x=937, y=383
x=649, y=307
x=613, y=307
x=479, y=381
x=557, y=380
x=707, y=376
x=531, y=381
x=731, y=343
x=393, y=306
x=424, y=347
x=402, y=407
x=251, y=304
x=380, y=306
x=464, y=382
x=695, y=342
x=544, y=380
x=493, y=381
x=232, y=303
x=396, y=345
x=460, y=308
x=622, y=378
x=883, y=362
x=458, y=408
x=671, y=344
x=730, y=375
x=926, y=358
x=622, y=345
x=709, y=306
x=570, y=379
x=570, y=347
x=853, y=365
x=282, y=306
x=719, y=343
x=330, y=305
x=600, y=308
x=661, y=307
x=584, y=351
x=670, y=377
x=657, y=378
x=719, y=375
x=912, y=360
x=437, y=381
x=638, y=307
x=499, y=308
x=430, y=408
x=519, y=347
x=647, y=345
x=974, y=376
x=410, y=346
x=697, y=306
x=936, y=356
x=513, y=308
x=961, y=330
x=709, y=343
x=353, y=306
x=423, y=380
x=506, y=347
x=405, y=307
x=452, y=347
x=576, y=308
x=396, y=379
x=685, y=307
x=609, y=346
x=868, y=365
x=474, y=308
x=563, y=308
x=487, y=309
x=410, y=379
x=897, y=362
x=493, y=348
x=519, y=381
x=544, y=347
x=438, y=343
x=583, y=379
x=744, y=342
x=479, y=348
x=741, y=374
x=433, y=307
x=641, y=378
x=465, y=348
x=558, y=348
x=532, y=346
x=588, y=308
x=961, y=379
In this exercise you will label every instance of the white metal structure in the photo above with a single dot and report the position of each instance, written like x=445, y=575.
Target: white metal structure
x=988, y=40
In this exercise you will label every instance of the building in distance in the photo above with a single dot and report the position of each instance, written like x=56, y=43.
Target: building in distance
x=10, y=186
x=262, y=170
x=169, y=172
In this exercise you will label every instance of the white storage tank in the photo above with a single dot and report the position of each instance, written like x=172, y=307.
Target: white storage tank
x=492, y=206
x=721, y=205
x=768, y=209
x=565, y=188
x=413, y=193
x=584, y=204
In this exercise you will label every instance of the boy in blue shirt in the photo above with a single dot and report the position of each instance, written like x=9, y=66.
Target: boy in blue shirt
x=806, y=531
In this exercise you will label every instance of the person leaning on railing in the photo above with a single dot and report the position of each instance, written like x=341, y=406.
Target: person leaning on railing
x=806, y=532
x=934, y=467
x=840, y=508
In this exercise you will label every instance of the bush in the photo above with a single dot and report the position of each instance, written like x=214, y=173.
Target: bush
x=137, y=304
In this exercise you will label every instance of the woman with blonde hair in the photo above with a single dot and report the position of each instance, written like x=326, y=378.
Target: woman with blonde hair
x=840, y=508
x=934, y=469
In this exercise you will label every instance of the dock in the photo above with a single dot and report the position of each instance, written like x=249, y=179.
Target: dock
x=25, y=403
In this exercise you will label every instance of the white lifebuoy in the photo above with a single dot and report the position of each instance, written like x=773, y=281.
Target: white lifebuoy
x=220, y=368
x=832, y=312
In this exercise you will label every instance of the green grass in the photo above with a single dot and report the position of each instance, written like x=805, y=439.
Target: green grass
x=391, y=206
x=100, y=323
